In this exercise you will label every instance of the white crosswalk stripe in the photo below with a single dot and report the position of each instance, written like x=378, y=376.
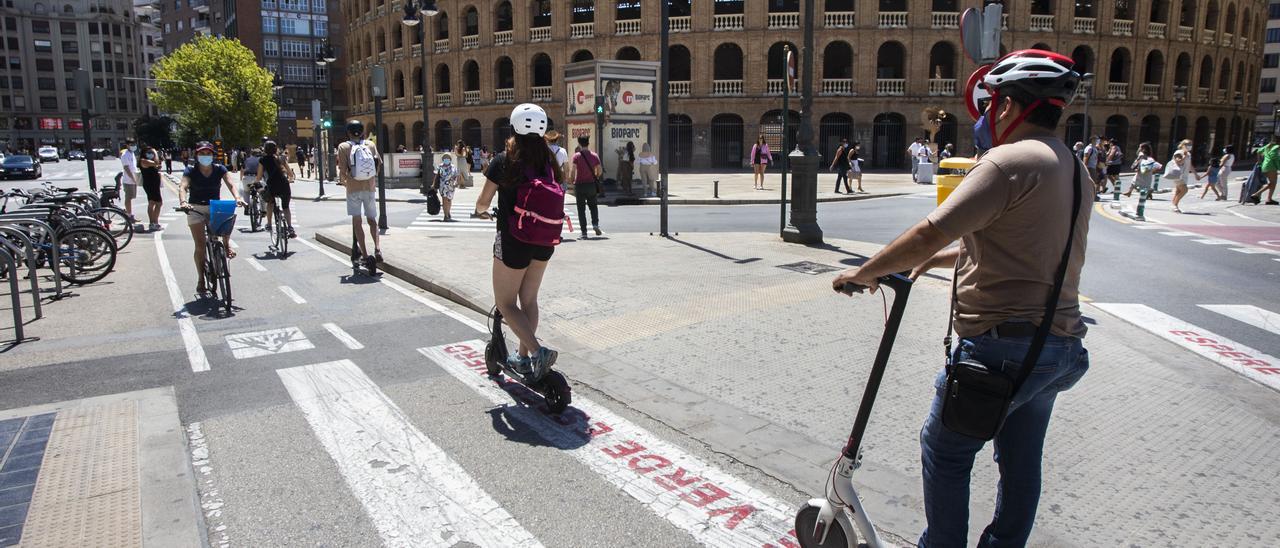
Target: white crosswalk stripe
x=1252, y=315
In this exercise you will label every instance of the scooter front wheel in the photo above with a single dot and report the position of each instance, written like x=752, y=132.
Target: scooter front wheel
x=556, y=392
x=807, y=518
x=492, y=358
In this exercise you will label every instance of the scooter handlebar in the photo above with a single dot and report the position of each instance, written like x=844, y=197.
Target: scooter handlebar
x=897, y=282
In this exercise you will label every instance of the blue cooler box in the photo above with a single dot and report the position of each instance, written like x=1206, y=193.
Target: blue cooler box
x=222, y=216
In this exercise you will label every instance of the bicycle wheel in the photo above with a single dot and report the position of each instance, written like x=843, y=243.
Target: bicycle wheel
x=86, y=255
x=255, y=212
x=221, y=275
x=116, y=221
x=282, y=233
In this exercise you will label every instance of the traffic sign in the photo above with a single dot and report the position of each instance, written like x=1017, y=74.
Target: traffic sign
x=975, y=93
x=791, y=69
x=971, y=34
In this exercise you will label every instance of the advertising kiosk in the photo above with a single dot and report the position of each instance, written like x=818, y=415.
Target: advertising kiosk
x=611, y=102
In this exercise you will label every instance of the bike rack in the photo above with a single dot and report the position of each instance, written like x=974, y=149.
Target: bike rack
x=54, y=248
x=13, y=293
x=28, y=249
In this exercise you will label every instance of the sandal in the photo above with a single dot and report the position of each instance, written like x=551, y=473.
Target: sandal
x=231, y=253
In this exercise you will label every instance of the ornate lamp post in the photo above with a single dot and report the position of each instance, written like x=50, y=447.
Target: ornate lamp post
x=325, y=57
x=804, y=227
x=416, y=12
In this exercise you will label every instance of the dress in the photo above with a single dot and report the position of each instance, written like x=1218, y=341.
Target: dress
x=446, y=180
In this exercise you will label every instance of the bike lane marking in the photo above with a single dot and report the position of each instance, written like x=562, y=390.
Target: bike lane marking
x=190, y=339
x=412, y=491
x=714, y=507
x=1243, y=360
x=255, y=264
x=293, y=295
x=343, y=336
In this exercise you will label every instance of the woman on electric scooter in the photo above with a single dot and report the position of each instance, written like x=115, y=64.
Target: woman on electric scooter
x=518, y=267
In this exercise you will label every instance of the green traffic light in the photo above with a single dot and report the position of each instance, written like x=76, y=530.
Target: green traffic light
x=599, y=109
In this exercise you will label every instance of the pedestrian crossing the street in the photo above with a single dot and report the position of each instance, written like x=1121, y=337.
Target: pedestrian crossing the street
x=1254, y=364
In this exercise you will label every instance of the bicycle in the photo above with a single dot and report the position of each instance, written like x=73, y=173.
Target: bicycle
x=254, y=207
x=217, y=270
x=279, y=229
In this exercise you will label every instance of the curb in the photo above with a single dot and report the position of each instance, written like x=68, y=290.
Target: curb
x=656, y=201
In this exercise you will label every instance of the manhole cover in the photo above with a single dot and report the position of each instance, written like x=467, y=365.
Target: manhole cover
x=809, y=267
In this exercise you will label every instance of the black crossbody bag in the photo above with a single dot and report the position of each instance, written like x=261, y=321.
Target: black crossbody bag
x=977, y=397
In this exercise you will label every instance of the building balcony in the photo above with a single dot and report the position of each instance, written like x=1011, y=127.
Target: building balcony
x=1156, y=30
x=626, y=27
x=683, y=23
x=1208, y=36
x=397, y=55
x=402, y=103
x=1226, y=40
x=1041, y=23
x=1081, y=92
x=415, y=50
x=837, y=86
x=1084, y=25
x=471, y=97
x=893, y=20
x=582, y=30
x=678, y=88
x=894, y=87
x=946, y=20
x=441, y=45
x=200, y=6
x=1184, y=33
x=1117, y=90
x=1202, y=95
x=501, y=38
x=382, y=58
x=945, y=87
x=775, y=86
x=540, y=34
x=1121, y=27
x=444, y=99
x=471, y=42
x=541, y=94
x=732, y=21
x=1221, y=96
x=784, y=20
x=504, y=95
x=417, y=101
x=726, y=87
x=839, y=19
x=1150, y=92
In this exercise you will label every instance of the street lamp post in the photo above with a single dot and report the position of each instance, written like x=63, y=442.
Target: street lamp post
x=416, y=13
x=1087, y=82
x=325, y=58
x=804, y=227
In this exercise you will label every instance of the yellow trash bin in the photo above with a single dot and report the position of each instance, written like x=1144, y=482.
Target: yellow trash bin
x=950, y=172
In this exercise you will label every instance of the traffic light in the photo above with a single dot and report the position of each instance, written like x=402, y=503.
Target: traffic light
x=326, y=123
x=599, y=110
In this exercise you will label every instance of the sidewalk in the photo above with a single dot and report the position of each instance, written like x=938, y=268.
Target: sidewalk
x=686, y=189
x=731, y=339
x=104, y=471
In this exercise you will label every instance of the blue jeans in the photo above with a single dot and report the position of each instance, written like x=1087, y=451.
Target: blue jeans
x=947, y=457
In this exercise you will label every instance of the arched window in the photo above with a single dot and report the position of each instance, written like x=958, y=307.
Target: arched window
x=1041, y=7
x=40, y=9
x=1187, y=16
x=726, y=141
x=1200, y=142
x=1224, y=77
x=837, y=61
x=831, y=129
x=1119, y=67
x=1229, y=24
x=398, y=84
x=471, y=76
x=730, y=7
x=1074, y=129
x=442, y=26
x=1245, y=22
x=417, y=82
x=680, y=140
x=581, y=55
x=397, y=37
x=1159, y=11
x=1149, y=132
x=727, y=63
x=784, y=6
x=1182, y=71
x=890, y=59
x=68, y=9
x=382, y=41
x=681, y=64
x=541, y=70
x=504, y=73
x=628, y=53
x=502, y=18
x=1041, y=46
x=1211, y=16
x=417, y=135
x=399, y=136
x=442, y=78
x=771, y=124
x=1085, y=9
x=541, y=13
x=1154, y=72
x=501, y=130
x=627, y=10
x=1117, y=128
x=679, y=8
x=1124, y=11
x=470, y=22
x=1240, y=77
x=888, y=140
x=942, y=61
x=778, y=60
x=583, y=11
x=1206, y=72
x=471, y=135
x=1083, y=56
x=893, y=6
x=444, y=135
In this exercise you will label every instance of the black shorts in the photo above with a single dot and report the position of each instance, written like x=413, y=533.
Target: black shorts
x=152, y=187
x=281, y=191
x=516, y=254
x=1113, y=170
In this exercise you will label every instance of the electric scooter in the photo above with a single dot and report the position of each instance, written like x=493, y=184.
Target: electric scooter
x=552, y=385
x=830, y=522
x=367, y=264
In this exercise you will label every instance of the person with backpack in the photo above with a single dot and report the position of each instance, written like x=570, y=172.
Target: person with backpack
x=358, y=165
x=278, y=176
x=530, y=219
x=585, y=172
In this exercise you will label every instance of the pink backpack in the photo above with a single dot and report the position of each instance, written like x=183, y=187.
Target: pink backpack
x=539, y=216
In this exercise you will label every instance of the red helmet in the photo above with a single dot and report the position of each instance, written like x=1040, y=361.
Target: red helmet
x=1042, y=74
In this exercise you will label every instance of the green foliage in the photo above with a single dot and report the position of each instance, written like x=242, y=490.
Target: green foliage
x=225, y=86
x=154, y=131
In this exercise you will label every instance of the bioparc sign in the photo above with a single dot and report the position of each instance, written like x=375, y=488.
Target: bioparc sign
x=581, y=97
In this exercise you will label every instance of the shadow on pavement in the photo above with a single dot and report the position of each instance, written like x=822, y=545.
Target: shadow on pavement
x=714, y=252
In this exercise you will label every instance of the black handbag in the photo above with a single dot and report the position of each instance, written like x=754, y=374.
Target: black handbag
x=977, y=396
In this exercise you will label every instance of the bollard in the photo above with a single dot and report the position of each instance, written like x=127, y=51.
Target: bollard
x=1115, y=196
x=1142, y=204
x=717, y=189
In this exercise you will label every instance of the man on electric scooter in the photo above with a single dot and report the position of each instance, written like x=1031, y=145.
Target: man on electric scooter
x=1013, y=215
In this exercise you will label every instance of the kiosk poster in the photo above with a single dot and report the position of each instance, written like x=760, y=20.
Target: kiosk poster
x=582, y=129
x=581, y=98
x=628, y=97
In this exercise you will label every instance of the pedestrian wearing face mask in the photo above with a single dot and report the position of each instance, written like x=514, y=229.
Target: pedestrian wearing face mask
x=446, y=182
x=130, y=176
x=200, y=185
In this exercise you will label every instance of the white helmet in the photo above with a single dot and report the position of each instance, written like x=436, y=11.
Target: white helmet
x=529, y=118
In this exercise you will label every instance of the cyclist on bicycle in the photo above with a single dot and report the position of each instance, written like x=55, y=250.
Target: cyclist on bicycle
x=278, y=178
x=200, y=184
x=249, y=165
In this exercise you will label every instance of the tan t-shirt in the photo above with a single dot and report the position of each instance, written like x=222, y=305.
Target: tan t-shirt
x=1012, y=212
x=344, y=168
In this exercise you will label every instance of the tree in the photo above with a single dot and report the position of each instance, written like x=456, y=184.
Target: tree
x=216, y=82
x=154, y=131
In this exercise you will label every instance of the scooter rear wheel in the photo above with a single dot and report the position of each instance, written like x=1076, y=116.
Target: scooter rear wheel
x=805, y=520
x=492, y=357
x=556, y=392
